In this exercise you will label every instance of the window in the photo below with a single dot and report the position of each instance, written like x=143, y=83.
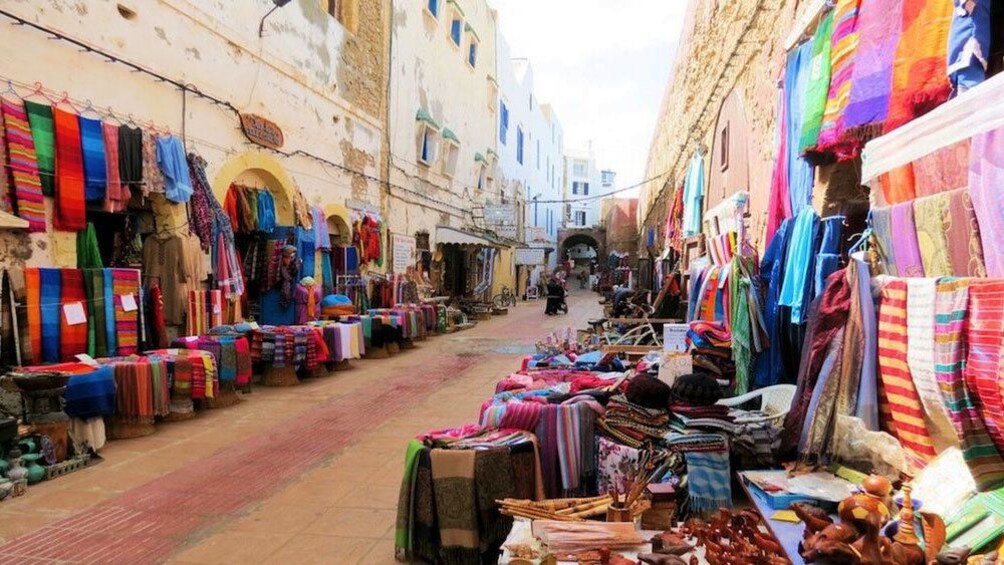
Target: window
x=455, y=28
x=723, y=152
x=472, y=54
x=450, y=157
x=427, y=143
x=579, y=168
x=519, y=145
x=503, y=124
x=607, y=177
x=580, y=217
x=585, y=189
x=433, y=8
x=482, y=174
x=580, y=188
x=575, y=187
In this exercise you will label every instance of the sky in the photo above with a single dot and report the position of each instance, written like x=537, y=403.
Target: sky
x=603, y=66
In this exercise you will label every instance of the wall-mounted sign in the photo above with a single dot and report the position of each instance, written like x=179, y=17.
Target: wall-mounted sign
x=403, y=249
x=529, y=256
x=262, y=131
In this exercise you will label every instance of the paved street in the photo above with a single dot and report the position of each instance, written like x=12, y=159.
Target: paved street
x=307, y=474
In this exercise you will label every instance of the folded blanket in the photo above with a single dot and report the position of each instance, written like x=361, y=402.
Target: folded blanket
x=91, y=395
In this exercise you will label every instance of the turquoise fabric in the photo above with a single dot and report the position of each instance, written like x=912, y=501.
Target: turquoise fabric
x=693, y=196
x=799, y=264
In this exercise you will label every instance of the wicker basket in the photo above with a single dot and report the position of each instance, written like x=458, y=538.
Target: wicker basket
x=377, y=353
x=120, y=429
x=280, y=376
x=226, y=397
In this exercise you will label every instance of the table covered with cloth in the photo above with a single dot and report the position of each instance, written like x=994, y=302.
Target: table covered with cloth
x=411, y=321
x=232, y=354
x=344, y=340
x=142, y=388
x=301, y=347
x=192, y=373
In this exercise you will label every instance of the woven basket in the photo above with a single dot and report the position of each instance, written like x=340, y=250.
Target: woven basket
x=120, y=429
x=280, y=376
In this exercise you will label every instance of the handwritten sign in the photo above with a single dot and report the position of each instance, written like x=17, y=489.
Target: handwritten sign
x=403, y=247
x=262, y=131
x=129, y=302
x=74, y=313
x=674, y=337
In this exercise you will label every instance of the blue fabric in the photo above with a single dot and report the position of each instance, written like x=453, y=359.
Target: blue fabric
x=694, y=298
x=351, y=259
x=589, y=360
x=867, y=408
x=968, y=44
x=833, y=229
x=796, y=79
x=266, y=211
x=274, y=315
x=91, y=395
x=693, y=196
x=798, y=264
x=769, y=368
x=111, y=336
x=336, y=300
x=307, y=252
x=327, y=276
x=51, y=313
x=826, y=265
x=172, y=162
x=92, y=144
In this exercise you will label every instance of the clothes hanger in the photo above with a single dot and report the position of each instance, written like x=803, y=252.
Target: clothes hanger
x=132, y=121
x=66, y=100
x=89, y=107
x=10, y=89
x=39, y=91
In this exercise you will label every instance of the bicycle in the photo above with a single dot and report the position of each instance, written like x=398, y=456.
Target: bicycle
x=504, y=300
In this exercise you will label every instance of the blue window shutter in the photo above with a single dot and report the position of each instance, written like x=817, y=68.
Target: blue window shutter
x=455, y=32
x=585, y=189
x=503, y=124
x=472, y=54
x=434, y=7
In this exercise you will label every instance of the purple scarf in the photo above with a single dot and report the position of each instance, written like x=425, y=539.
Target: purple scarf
x=904, y=241
x=986, y=189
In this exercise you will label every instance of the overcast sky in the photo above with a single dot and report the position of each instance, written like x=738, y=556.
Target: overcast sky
x=602, y=65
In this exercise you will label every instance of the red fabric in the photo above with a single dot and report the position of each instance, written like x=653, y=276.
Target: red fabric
x=72, y=339
x=70, y=213
x=230, y=207
x=985, y=336
x=157, y=321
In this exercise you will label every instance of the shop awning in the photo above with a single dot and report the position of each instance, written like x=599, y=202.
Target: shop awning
x=423, y=116
x=479, y=158
x=469, y=29
x=456, y=6
x=446, y=234
x=448, y=134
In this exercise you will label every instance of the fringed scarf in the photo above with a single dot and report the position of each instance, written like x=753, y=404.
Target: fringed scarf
x=819, y=83
x=424, y=540
x=456, y=502
x=985, y=334
x=24, y=166
x=69, y=200
x=919, y=76
x=52, y=314
x=843, y=48
x=742, y=338
x=116, y=194
x=986, y=189
x=92, y=145
x=708, y=480
x=44, y=139
x=547, y=433
x=978, y=450
x=134, y=396
x=73, y=338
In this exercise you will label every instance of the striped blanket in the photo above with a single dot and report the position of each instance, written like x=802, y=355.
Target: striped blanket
x=24, y=165
x=49, y=298
x=70, y=213
x=72, y=337
x=126, y=282
x=985, y=336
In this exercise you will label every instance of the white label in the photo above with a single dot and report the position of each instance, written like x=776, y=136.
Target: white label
x=217, y=309
x=74, y=313
x=129, y=302
x=674, y=337
x=86, y=359
x=254, y=325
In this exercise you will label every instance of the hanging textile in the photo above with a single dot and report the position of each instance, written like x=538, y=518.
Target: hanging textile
x=116, y=195
x=969, y=43
x=799, y=264
x=693, y=196
x=985, y=336
x=306, y=251
x=965, y=249
x=164, y=264
x=905, y=417
x=800, y=172
x=33, y=308
x=843, y=48
x=172, y=163
x=779, y=205
x=72, y=336
x=205, y=311
x=111, y=335
x=978, y=449
x=97, y=339
x=88, y=253
x=24, y=171
x=818, y=83
x=904, y=241
x=69, y=199
x=930, y=214
x=224, y=252
x=986, y=189
x=16, y=342
x=827, y=257
x=321, y=236
x=131, y=157
x=127, y=328
x=770, y=368
x=50, y=298
x=153, y=180
x=266, y=211
x=919, y=74
x=92, y=145
x=44, y=142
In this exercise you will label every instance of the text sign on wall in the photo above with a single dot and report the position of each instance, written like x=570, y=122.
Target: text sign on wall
x=262, y=131
x=528, y=256
x=403, y=248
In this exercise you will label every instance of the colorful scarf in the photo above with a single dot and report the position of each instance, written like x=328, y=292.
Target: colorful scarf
x=881, y=224
x=930, y=213
x=742, y=338
x=97, y=340
x=985, y=334
x=907, y=415
x=92, y=146
x=116, y=195
x=52, y=315
x=111, y=336
x=456, y=502
x=570, y=456
x=943, y=170
x=23, y=161
x=969, y=42
x=799, y=264
x=708, y=480
x=879, y=25
x=44, y=140
x=6, y=178
x=547, y=434
x=424, y=538
x=982, y=457
x=153, y=180
x=962, y=232
x=986, y=188
x=800, y=172
x=126, y=281
x=919, y=76
x=904, y=241
x=69, y=200
x=134, y=397
x=88, y=253
x=843, y=47
x=224, y=252
x=920, y=325
x=819, y=83
x=73, y=338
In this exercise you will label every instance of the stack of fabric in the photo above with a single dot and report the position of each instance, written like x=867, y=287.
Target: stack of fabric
x=297, y=346
x=631, y=424
x=192, y=371
x=142, y=387
x=232, y=354
x=712, y=351
x=344, y=340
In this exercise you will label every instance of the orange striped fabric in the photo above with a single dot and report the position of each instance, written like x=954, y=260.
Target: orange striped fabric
x=903, y=403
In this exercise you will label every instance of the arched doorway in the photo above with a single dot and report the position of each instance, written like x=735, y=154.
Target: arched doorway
x=580, y=249
x=258, y=170
x=339, y=224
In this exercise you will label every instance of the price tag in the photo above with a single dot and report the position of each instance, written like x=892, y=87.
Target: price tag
x=74, y=313
x=86, y=359
x=254, y=325
x=129, y=302
x=674, y=337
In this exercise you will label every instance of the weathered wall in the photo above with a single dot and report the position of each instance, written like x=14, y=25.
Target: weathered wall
x=322, y=84
x=727, y=52
x=620, y=220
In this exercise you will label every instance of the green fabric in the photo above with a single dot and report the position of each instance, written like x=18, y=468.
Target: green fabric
x=42, y=133
x=402, y=532
x=94, y=286
x=88, y=253
x=742, y=354
x=819, y=84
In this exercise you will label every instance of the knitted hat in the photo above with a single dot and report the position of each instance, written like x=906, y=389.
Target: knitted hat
x=648, y=391
x=696, y=390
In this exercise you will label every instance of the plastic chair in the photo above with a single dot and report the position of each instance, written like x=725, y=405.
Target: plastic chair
x=775, y=401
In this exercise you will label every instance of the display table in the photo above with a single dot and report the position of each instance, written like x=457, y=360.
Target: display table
x=787, y=533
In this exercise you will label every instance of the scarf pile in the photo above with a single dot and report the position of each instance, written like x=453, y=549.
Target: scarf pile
x=818, y=84
x=456, y=502
x=930, y=214
x=920, y=73
x=72, y=338
x=70, y=214
x=985, y=334
x=127, y=327
x=24, y=164
x=92, y=146
x=978, y=449
x=986, y=189
x=134, y=396
x=632, y=424
x=900, y=397
x=843, y=48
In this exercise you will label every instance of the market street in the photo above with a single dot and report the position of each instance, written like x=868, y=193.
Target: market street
x=306, y=474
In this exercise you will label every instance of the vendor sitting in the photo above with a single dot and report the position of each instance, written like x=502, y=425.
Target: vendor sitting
x=308, y=301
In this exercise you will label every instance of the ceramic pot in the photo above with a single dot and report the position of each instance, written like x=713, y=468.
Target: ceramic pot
x=36, y=472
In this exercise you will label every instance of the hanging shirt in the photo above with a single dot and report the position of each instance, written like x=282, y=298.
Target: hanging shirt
x=693, y=196
x=172, y=162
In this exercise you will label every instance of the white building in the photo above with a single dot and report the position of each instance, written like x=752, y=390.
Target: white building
x=585, y=187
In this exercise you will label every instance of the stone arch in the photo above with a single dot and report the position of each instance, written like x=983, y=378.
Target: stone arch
x=259, y=169
x=588, y=236
x=339, y=220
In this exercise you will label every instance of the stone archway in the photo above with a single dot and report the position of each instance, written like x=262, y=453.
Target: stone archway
x=591, y=237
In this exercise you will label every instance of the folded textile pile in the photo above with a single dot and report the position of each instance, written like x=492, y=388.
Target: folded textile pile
x=192, y=372
x=709, y=334
x=632, y=424
x=713, y=417
x=91, y=394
